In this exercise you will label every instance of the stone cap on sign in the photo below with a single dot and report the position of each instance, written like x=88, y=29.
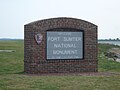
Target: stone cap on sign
x=64, y=22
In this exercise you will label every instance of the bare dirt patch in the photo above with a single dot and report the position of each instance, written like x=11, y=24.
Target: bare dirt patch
x=78, y=74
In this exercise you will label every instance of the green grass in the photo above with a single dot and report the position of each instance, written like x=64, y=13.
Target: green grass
x=12, y=78
x=104, y=63
x=11, y=62
x=21, y=82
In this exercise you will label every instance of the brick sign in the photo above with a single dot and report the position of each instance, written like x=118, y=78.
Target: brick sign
x=60, y=45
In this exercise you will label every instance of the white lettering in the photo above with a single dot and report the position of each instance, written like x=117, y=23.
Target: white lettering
x=64, y=33
x=64, y=51
x=64, y=45
x=53, y=38
x=72, y=38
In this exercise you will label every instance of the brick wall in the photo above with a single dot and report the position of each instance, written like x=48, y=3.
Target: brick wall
x=35, y=55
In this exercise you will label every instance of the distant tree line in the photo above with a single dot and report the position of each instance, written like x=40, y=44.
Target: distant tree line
x=117, y=39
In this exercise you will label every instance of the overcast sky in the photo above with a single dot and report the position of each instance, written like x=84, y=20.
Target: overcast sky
x=14, y=14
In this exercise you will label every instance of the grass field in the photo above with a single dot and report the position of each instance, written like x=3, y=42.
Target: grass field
x=12, y=77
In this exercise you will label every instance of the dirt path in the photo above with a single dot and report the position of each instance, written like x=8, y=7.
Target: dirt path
x=79, y=74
